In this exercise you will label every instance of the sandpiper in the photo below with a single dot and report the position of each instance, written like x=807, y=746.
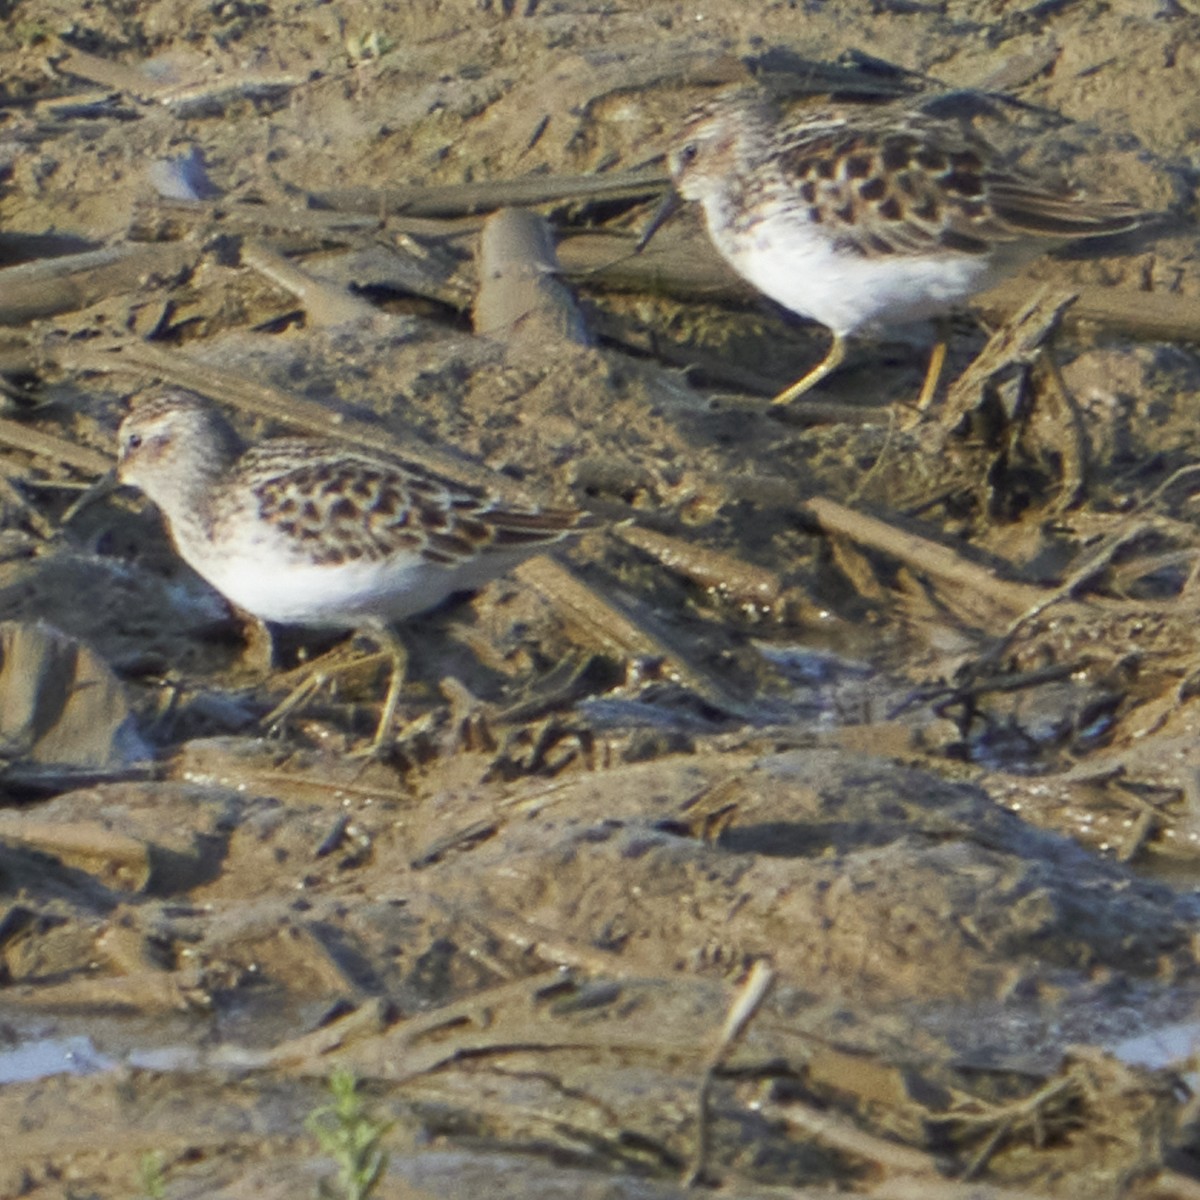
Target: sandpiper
x=314, y=533
x=861, y=216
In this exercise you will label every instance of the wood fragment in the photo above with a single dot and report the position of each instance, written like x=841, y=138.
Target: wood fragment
x=520, y=293
x=73, y=281
x=598, y=622
x=473, y=1011
x=469, y=199
x=459, y=839
x=189, y=98
x=69, y=60
x=37, y=781
x=146, y=992
x=1147, y=316
x=549, y=945
x=406, y=266
x=833, y=1130
x=20, y=436
x=368, y=1020
x=746, y=1003
x=673, y=265
x=130, y=356
x=1068, y=435
x=1146, y=824
x=160, y=219
x=324, y=304
x=714, y=570
x=1018, y=343
x=289, y=227
x=86, y=104
x=928, y=557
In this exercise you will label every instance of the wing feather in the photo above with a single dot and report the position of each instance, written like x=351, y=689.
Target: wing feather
x=925, y=185
x=331, y=505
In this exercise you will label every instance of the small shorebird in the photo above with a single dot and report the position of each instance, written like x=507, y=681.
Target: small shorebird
x=861, y=216
x=313, y=533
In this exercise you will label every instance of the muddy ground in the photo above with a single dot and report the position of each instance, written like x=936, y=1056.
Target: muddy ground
x=880, y=720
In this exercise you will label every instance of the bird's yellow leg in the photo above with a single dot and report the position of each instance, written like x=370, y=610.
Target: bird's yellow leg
x=933, y=376
x=831, y=362
x=390, y=643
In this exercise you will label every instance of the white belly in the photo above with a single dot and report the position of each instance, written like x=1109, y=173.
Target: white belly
x=348, y=594
x=799, y=267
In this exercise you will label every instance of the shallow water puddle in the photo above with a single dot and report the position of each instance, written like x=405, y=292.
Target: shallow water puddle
x=43, y=1057
x=1175, y=1046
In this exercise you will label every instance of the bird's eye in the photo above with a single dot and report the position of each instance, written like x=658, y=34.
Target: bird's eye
x=133, y=442
x=687, y=155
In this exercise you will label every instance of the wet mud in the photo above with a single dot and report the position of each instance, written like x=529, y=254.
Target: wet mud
x=823, y=819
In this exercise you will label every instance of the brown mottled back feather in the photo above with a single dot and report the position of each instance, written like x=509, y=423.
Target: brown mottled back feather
x=885, y=181
x=340, y=506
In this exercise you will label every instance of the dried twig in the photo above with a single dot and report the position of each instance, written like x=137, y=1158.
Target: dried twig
x=928, y=557
x=24, y=437
x=1017, y=344
x=324, y=303
x=597, y=621
x=465, y=199
x=833, y=1130
x=711, y=569
x=162, y=219
x=745, y=1004
x=187, y=98
x=141, y=358
x=74, y=281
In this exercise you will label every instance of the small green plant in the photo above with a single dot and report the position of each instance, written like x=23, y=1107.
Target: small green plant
x=150, y=1168
x=351, y=1137
x=32, y=33
x=368, y=46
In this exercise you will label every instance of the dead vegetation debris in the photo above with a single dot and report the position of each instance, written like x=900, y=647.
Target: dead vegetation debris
x=725, y=851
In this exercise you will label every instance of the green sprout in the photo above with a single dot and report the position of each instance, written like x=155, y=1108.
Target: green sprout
x=368, y=46
x=351, y=1137
x=150, y=1168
